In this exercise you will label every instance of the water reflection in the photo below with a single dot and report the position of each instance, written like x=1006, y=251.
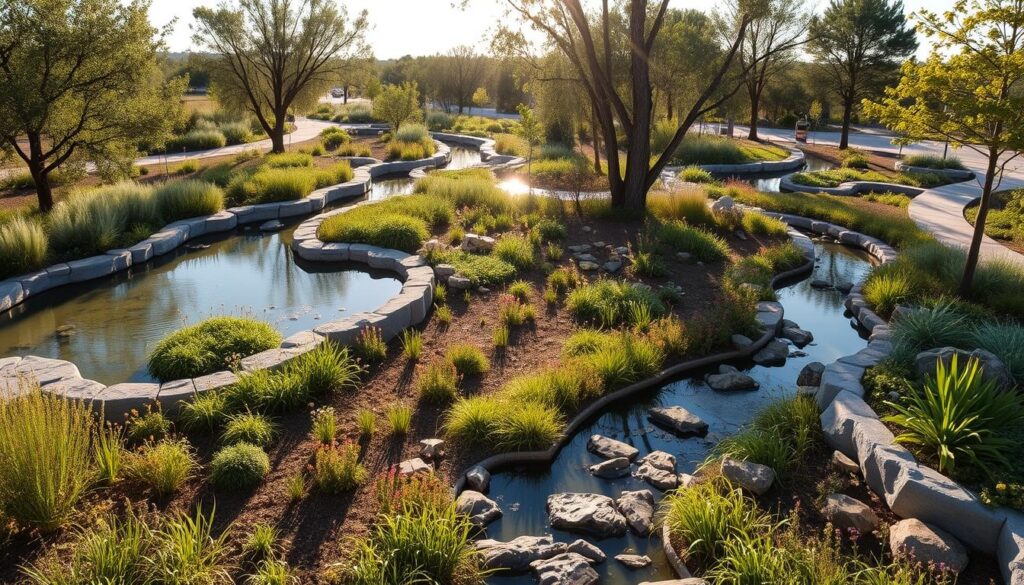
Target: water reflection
x=770, y=183
x=522, y=492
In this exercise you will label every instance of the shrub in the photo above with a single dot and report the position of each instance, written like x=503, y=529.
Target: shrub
x=196, y=140
x=296, y=487
x=255, y=429
x=149, y=426
x=399, y=419
x=925, y=328
x=163, y=467
x=23, y=246
x=892, y=199
x=45, y=454
x=706, y=515
x=760, y=224
x=933, y=161
x=288, y=160
x=854, y=159
x=238, y=467
x=468, y=360
x=93, y=221
x=324, y=427
x=564, y=279
x=690, y=205
x=387, y=230
x=516, y=250
x=438, y=121
x=412, y=133
x=605, y=302
x=480, y=270
x=695, y=174
x=439, y=382
x=205, y=411
x=351, y=149
x=366, y=422
x=261, y=542
x=679, y=237
x=236, y=132
x=1005, y=340
x=272, y=184
x=333, y=175
x=550, y=230
x=958, y=414
x=189, y=198
x=205, y=347
x=334, y=137
x=337, y=470
x=510, y=144
x=521, y=290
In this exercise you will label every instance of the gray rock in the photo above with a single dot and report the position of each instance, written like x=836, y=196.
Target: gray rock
x=586, y=258
x=599, y=244
x=612, y=266
x=687, y=581
x=517, y=554
x=723, y=204
x=773, y=354
x=271, y=226
x=799, y=337
x=431, y=449
x=684, y=256
x=847, y=513
x=610, y=448
x=753, y=477
x=443, y=271
x=992, y=367
x=611, y=468
x=478, y=478
x=678, y=419
x=844, y=463
x=926, y=544
x=844, y=286
x=414, y=466
x=592, y=514
x=634, y=561
x=588, y=266
x=659, y=460
x=658, y=468
x=638, y=508
x=588, y=550
x=565, y=569
x=475, y=243
x=741, y=341
x=579, y=249
x=821, y=284
x=480, y=509
x=810, y=375
x=459, y=282
x=731, y=381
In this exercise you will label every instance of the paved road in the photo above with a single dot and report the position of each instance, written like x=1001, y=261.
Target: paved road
x=939, y=210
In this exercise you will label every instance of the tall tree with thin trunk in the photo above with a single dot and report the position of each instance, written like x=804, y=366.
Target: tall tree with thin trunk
x=588, y=34
x=968, y=91
x=860, y=44
x=768, y=47
x=79, y=82
x=274, y=55
x=685, y=54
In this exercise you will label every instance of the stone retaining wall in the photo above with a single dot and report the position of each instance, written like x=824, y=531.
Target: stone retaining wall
x=849, y=188
x=794, y=161
x=910, y=489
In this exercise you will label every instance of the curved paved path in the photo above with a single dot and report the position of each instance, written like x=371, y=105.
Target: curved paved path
x=939, y=210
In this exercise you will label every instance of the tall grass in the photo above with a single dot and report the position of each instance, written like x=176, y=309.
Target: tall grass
x=189, y=198
x=933, y=161
x=272, y=184
x=23, y=246
x=387, y=230
x=163, y=467
x=113, y=550
x=196, y=140
x=93, y=221
x=689, y=205
x=703, y=245
x=605, y=303
x=412, y=133
x=703, y=150
x=46, y=457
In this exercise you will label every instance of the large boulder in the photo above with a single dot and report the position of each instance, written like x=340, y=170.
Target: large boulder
x=478, y=479
x=638, y=508
x=846, y=513
x=678, y=419
x=517, y=554
x=729, y=379
x=799, y=337
x=480, y=509
x=565, y=569
x=992, y=368
x=773, y=354
x=610, y=448
x=475, y=243
x=753, y=477
x=725, y=204
x=810, y=375
x=611, y=469
x=922, y=543
x=592, y=514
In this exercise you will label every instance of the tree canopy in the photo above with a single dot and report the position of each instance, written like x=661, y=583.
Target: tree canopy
x=275, y=55
x=398, y=104
x=79, y=82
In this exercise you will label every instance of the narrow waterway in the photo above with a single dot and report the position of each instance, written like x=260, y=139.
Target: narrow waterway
x=522, y=492
x=108, y=326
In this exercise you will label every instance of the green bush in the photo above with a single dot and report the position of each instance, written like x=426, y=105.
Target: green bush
x=196, y=140
x=480, y=270
x=335, y=174
x=468, y=360
x=703, y=150
x=958, y=417
x=150, y=425
x=45, y=452
x=550, y=230
x=399, y=419
x=473, y=420
x=256, y=429
x=163, y=466
x=412, y=133
x=208, y=346
x=759, y=224
x=188, y=198
x=438, y=121
x=516, y=250
x=288, y=160
x=1006, y=341
x=676, y=236
x=272, y=184
x=96, y=220
x=334, y=137
x=695, y=174
x=236, y=132
x=240, y=466
x=387, y=230
x=690, y=206
x=623, y=359
x=337, y=470
x=606, y=302
x=23, y=246
x=439, y=382
x=565, y=389
x=528, y=426
x=933, y=161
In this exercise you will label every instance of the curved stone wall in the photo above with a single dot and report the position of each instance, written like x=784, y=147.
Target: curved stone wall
x=849, y=188
x=794, y=161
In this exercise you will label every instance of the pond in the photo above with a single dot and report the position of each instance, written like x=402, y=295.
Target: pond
x=769, y=182
x=108, y=326
x=522, y=492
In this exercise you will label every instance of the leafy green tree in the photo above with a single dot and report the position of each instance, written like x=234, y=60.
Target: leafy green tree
x=968, y=91
x=859, y=44
x=79, y=81
x=274, y=55
x=530, y=130
x=398, y=104
x=480, y=97
x=684, y=54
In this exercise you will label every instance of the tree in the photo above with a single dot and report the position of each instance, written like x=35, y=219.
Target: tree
x=480, y=97
x=685, y=53
x=398, y=104
x=457, y=75
x=273, y=55
x=531, y=131
x=968, y=91
x=79, y=81
x=860, y=44
x=620, y=89
x=768, y=47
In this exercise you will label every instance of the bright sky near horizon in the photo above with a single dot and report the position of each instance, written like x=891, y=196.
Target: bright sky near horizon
x=426, y=27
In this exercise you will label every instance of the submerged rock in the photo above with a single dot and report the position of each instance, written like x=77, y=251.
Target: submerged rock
x=658, y=468
x=588, y=550
x=271, y=226
x=799, y=337
x=810, y=375
x=773, y=354
x=634, y=561
x=678, y=419
x=610, y=448
x=585, y=513
x=729, y=379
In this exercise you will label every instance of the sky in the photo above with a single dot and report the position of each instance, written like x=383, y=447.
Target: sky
x=426, y=27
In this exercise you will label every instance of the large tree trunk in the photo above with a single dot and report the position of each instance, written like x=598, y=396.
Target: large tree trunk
x=40, y=176
x=277, y=133
x=974, y=251
x=595, y=142
x=755, y=102
x=844, y=138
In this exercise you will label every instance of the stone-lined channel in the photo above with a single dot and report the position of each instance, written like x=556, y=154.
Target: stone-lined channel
x=522, y=491
x=108, y=326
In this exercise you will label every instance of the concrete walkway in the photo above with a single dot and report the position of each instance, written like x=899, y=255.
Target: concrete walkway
x=940, y=210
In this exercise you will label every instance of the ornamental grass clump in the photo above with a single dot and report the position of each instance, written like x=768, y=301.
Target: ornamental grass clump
x=208, y=346
x=958, y=417
x=703, y=245
x=439, y=382
x=92, y=221
x=468, y=360
x=23, y=246
x=516, y=250
x=370, y=346
x=386, y=230
x=241, y=466
x=187, y=198
x=399, y=419
x=162, y=467
x=336, y=469
x=256, y=429
x=46, y=457
x=268, y=185
x=325, y=425
x=605, y=303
